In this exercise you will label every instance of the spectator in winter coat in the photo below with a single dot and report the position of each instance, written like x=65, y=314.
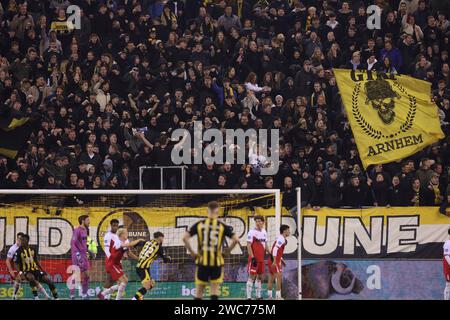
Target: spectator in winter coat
x=307, y=189
x=418, y=195
x=333, y=190
x=355, y=194
x=394, y=55
x=228, y=20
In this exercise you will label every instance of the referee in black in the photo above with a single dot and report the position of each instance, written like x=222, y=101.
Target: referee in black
x=209, y=259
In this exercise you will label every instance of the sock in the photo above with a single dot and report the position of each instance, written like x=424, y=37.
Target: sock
x=447, y=291
x=140, y=294
x=120, y=290
x=258, y=288
x=16, y=289
x=249, y=288
x=214, y=297
x=108, y=296
x=110, y=290
x=278, y=294
x=53, y=290
x=269, y=293
x=42, y=290
x=72, y=293
x=85, y=285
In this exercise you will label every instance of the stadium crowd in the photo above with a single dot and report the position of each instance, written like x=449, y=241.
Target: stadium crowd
x=107, y=95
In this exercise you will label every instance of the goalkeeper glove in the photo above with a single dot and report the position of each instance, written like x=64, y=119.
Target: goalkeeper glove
x=254, y=263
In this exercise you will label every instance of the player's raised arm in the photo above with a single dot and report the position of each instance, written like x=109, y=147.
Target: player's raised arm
x=131, y=255
x=131, y=243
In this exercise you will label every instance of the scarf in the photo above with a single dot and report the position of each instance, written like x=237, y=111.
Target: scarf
x=437, y=194
x=240, y=3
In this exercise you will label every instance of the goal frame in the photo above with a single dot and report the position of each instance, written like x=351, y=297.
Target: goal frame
x=299, y=241
x=275, y=192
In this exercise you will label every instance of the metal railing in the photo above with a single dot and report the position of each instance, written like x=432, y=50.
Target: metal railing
x=161, y=170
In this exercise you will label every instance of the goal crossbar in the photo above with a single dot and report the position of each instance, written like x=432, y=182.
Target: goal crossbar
x=276, y=192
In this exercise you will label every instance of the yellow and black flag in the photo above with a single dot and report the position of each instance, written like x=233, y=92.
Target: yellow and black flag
x=391, y=116
x=14, y=132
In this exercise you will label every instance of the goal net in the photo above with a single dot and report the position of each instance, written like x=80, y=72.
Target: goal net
x=50, y=216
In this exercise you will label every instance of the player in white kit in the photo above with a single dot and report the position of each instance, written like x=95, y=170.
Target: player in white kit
x=446, y=265
x=256, y=248
x=110, y=235
x=10, y=265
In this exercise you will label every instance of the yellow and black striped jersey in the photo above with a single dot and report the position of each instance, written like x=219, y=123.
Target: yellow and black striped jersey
x=25, y=259
x=210, y=236
x=149, y=253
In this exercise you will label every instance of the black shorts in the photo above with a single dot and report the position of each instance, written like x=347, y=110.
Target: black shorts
x=205, y=275
x=37, y=274
x=143, y=274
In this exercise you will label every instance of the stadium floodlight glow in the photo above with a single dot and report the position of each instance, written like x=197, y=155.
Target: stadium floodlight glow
x=50, y=216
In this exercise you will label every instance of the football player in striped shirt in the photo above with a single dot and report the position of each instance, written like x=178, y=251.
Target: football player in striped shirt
x=151, y=251
x=211, y=234
x=26, y=261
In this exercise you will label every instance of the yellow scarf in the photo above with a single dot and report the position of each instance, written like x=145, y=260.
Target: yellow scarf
x=308, y=23
x=240, y=3
x=437, y=194
x=229, y=92
x=417, y=193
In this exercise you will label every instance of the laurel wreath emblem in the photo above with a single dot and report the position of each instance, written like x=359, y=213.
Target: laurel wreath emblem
x=369, y=129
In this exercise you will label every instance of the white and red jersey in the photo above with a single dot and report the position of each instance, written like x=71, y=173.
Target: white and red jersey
x=116, y=253
x=257, y=239
x=107, y=242
x=278, y=249
x=12, y=251
x=446, y=260
x=114, y=261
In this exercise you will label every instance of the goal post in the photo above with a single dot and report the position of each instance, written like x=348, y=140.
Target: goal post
x=299, y=241
x=49, y=217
